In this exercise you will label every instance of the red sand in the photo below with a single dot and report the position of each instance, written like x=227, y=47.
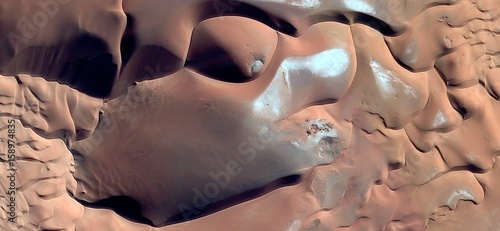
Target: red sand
x=249, y=115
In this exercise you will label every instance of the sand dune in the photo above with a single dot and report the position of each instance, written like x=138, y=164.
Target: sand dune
x=249, y=115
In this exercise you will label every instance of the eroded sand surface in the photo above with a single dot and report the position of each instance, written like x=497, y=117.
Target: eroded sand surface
x=249, y=115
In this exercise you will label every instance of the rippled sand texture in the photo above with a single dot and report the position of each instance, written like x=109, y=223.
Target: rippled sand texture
x=48, y=117
x=252, y=115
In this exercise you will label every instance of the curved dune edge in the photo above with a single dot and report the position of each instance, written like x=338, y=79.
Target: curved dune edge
x=419, y=149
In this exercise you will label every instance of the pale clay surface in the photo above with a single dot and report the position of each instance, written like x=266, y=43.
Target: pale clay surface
x=286, y=115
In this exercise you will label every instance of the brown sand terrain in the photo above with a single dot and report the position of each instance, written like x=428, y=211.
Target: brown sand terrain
x=272, y=115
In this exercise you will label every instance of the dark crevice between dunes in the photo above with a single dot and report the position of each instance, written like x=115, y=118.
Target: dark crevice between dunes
x=235, y=199
x=90, y=66
x=84, y=63
x=217, y=64
x=128, y=42
x=130, y=209
x=343, y=17
x=212, y=9
x=375, y=23
x=124, y=206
